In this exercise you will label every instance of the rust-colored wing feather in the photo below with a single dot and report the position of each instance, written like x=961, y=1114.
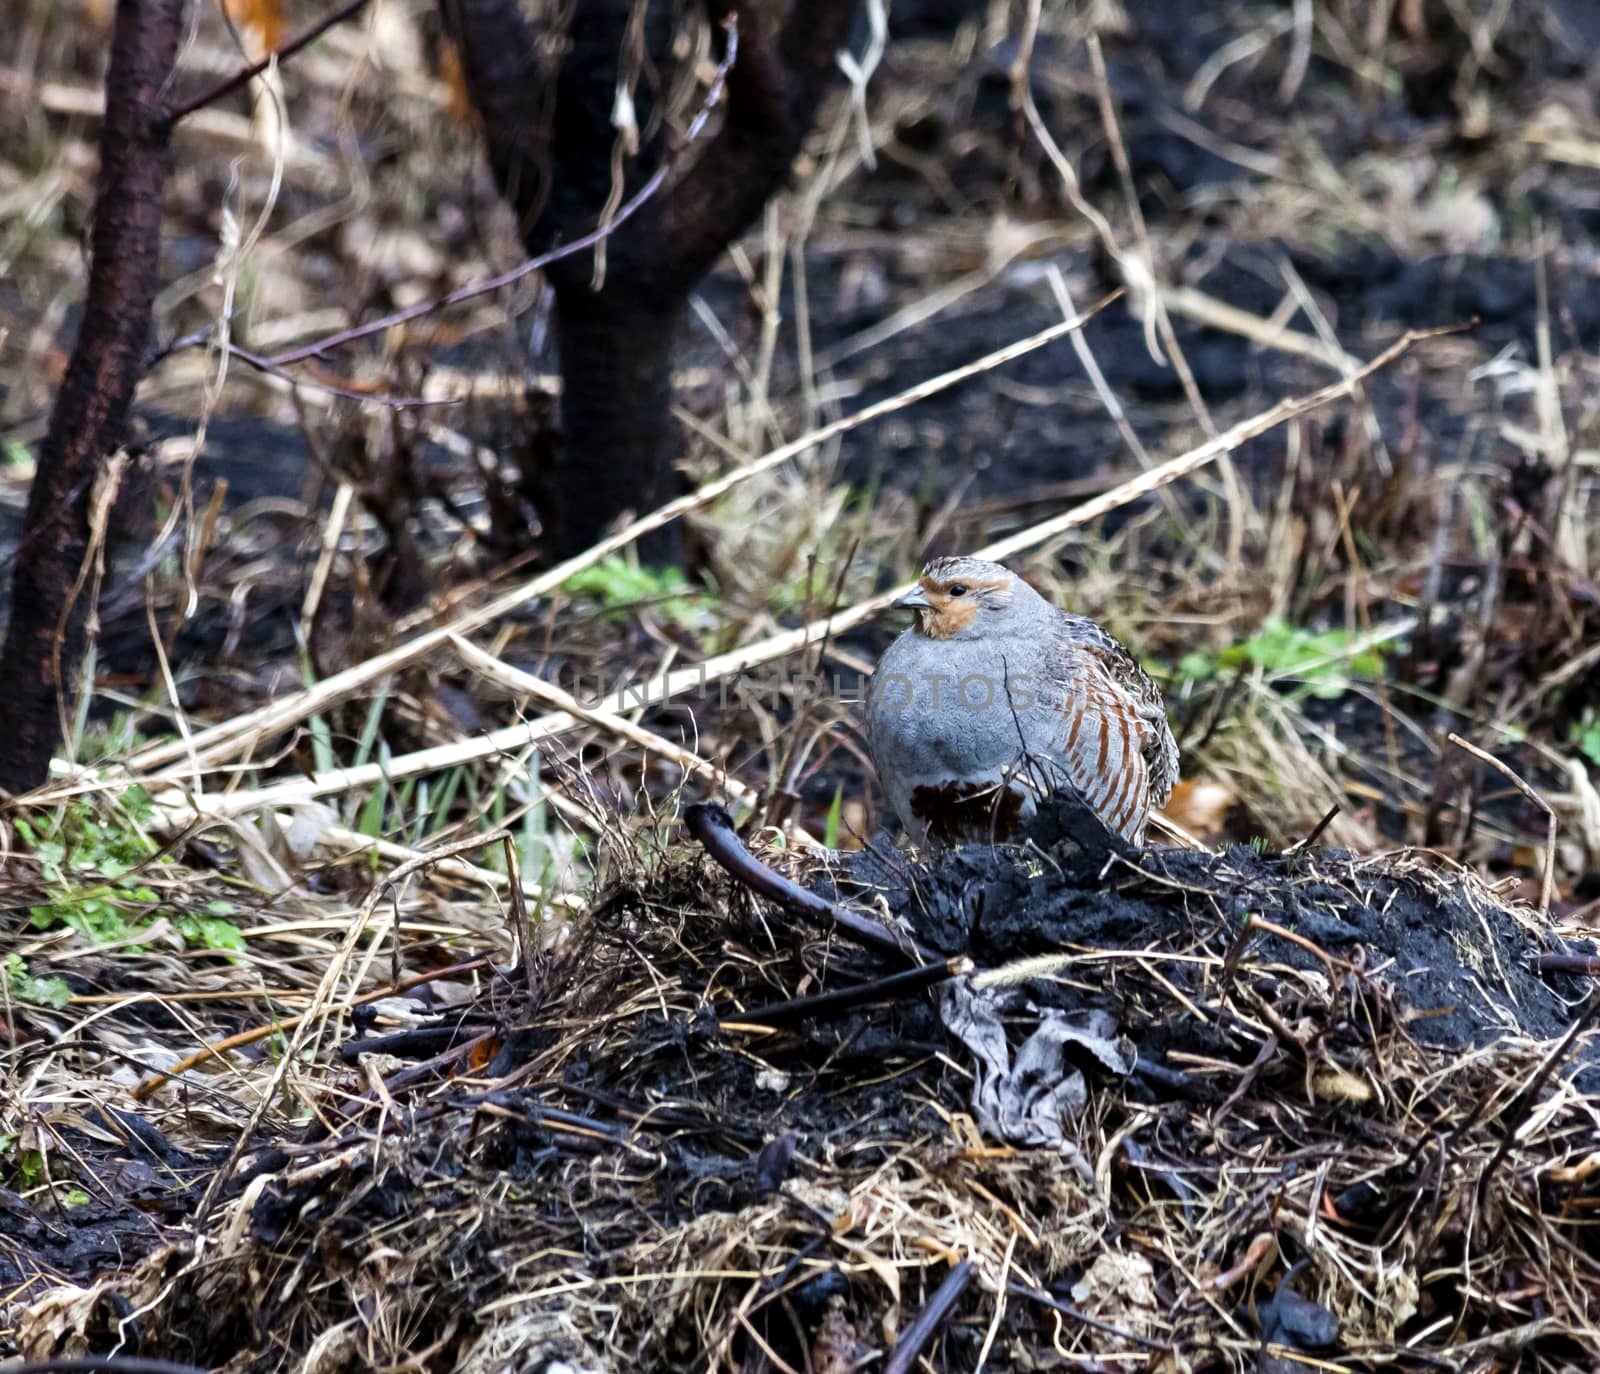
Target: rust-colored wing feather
x=1116, y=747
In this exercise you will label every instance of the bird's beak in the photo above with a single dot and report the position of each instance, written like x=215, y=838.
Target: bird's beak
x=914, y=600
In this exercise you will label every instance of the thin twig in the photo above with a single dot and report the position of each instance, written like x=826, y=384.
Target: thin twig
x=824, y=1004
x=246, y=74
x=1066, y=1309
x=1273, y=928
x=1547, y=886
x=594, y=237
x=1568, y=963
x=521, y=927
x=1315, y=833
x=378, y=398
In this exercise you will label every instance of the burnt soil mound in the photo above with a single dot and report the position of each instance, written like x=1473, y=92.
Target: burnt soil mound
x=1300, y=1102
x=1433, y=944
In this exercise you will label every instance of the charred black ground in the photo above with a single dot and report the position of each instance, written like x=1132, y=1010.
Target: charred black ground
x=1453, y=963
x=618, y=1165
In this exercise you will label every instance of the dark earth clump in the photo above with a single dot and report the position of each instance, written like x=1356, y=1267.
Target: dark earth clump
x=140, y=1185
x=1457, y=963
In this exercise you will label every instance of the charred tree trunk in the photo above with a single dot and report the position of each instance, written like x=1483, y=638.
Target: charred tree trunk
x=44, y=641
x=616, y=407
x=551, y=146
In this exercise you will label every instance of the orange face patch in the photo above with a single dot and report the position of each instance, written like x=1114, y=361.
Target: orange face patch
x=948, y=615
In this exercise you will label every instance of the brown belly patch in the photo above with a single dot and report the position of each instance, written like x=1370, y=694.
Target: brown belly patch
x=963, y=812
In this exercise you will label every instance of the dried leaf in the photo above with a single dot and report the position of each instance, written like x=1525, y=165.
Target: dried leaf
x=260, y=22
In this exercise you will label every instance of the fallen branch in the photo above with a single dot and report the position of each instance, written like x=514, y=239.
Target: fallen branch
x=428, y=1040
x=714, y=828
x=514, y=679
x=1547, y=883
x=1568, y=963
x=928, y=1322
x=215, y=743
x=832, y=1003
x=228, y=739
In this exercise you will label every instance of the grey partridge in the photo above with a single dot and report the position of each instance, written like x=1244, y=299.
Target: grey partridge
x=995, y=698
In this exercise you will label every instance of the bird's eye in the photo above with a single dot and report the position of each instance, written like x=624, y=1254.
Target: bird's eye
x=957, y=589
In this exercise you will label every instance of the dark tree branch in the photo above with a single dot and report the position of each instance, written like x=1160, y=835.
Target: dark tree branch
x=499, y=64
x=821, y=1005
x=555, y=161
x=1568, y=963
x=773, y=93
x=596, y=235
x=45, y=638
x=930, y=1321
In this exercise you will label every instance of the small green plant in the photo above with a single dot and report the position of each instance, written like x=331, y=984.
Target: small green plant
x=1324, y=662
x=15, y=454
x=210, y=928
x=24, y=1166
x=619, y=585
x=89, y=855
x=1584, y=735
x=24, y=987
x=835, y=821
x=83, y=856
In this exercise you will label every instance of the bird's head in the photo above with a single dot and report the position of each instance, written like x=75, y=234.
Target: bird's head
x=966, y=598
